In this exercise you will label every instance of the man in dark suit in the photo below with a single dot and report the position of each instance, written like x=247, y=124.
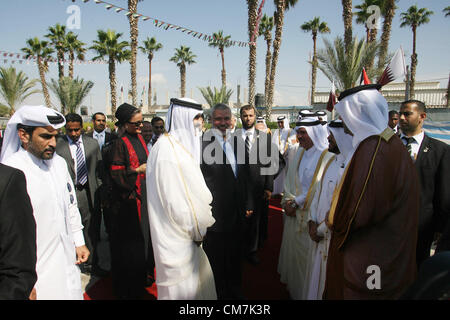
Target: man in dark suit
x=432, y=161
x=257, y=145
x=99, y=133
x=226, y=179
x=393, y=121
x=83, y=157
x=102, y=221
x=17, y=237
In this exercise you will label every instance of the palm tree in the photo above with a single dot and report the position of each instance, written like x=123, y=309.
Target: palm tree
x=388, y=10
x=221, y=42
x=132, y=8
x=108, y=46
x=344, y=69
x=265, y=29
x=252, y=7
x=4, y=110
x=414, y=18
x=42, y=52
x=446, y=11
x=347, y=16
x=57, y=38
x=74, y=46
x=70, y=92
x=183, y=56
x=221, y=95
x=281, y=7
x=15, y=87
x=314, y=26
x=150, y=46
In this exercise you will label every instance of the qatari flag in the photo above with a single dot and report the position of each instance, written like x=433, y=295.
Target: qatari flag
x=332, y=98
x=395, y=69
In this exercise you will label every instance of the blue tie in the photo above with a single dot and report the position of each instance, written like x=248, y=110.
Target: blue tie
x=81, y=166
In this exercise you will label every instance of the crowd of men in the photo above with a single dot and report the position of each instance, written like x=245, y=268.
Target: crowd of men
x=364, y=198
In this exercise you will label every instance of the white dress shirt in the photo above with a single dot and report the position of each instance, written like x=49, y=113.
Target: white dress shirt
x=229, y=152
x=415, y=145
x=250, y=132
x=73, y=151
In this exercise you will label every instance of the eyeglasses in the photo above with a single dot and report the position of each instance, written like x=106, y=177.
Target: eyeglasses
x=137, y=123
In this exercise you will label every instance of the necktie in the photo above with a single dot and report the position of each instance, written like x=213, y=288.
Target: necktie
x=154, y=140
x=247, y=145
x=409, y=141
x=98, y=137
x=81, y=165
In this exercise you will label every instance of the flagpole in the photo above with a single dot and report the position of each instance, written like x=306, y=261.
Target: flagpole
x=408, y=83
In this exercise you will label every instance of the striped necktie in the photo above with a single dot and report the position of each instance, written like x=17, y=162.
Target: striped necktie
x=247, y=146
x=409, y=141
x=81, y=165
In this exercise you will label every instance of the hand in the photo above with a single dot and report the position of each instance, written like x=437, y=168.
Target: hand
x=312, y=226
x=32, y=294
x=267, y=194
x=248, y=213
x=290, y=211
x=142, y=168
x=82, y=254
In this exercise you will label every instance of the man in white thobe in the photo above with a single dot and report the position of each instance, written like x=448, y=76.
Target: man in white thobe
x=282, y=138
x=30, y=146
x=179, y=207
x=340, y=143
x=302, y=179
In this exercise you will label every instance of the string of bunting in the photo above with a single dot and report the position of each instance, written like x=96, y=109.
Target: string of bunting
x=165, y=25
x=12, y=57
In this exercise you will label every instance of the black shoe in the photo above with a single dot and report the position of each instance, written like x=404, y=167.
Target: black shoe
x=253, y=259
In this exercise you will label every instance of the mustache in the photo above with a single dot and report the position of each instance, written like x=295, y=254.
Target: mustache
x=50, y=148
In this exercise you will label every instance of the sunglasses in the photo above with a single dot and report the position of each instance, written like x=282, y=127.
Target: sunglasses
x=137, y=123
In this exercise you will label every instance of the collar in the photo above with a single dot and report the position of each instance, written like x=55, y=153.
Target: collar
x=218, y=136
x=418, y=137
x=99, y=133
x=73, y=142
x=250, y=131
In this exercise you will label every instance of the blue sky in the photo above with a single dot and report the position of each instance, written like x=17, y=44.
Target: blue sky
x=23, y=19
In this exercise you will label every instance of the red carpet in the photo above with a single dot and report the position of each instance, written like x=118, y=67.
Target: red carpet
x=261, y=282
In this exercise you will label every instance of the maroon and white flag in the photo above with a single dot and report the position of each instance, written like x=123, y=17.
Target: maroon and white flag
x=395, y=69
x=332, y=100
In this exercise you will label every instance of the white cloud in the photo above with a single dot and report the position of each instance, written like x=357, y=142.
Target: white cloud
x=157, y=79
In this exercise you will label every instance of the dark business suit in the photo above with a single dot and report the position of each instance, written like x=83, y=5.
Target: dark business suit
x=105, y=188
x=256, y=225
x=433, y=167
x=17, y=237
x=223, y=240
x=88, y=196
